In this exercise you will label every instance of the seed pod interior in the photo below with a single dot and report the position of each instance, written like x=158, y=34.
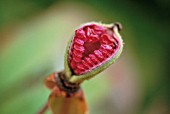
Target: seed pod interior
x=92, y=46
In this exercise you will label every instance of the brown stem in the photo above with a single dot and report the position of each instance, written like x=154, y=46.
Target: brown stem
x=43, y=109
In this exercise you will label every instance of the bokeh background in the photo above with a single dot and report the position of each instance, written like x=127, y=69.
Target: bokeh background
x=33, y=38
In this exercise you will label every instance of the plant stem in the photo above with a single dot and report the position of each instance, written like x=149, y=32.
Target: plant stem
x=43, y=109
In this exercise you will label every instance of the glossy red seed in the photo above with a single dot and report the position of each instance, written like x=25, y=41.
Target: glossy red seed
x=105, y=41
x=88, y=32
x=80, y=66
x=78, y=48
x=73, y=64
x=93, y=39
x=98, y=28
x=88, y=61
x=79, y=41
x=93, y=58
x=85, y=64
x=77, y=71
x=99, y=54
x=109, y=38
x=106, y=47
x=104, y=52
x=80, y=34
x=77, y=54
x=91, y=35
x=76, y=59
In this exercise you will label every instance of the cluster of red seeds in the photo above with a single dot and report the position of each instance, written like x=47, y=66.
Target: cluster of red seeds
x=92, y=44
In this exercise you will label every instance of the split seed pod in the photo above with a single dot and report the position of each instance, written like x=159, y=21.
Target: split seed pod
x=92, y=49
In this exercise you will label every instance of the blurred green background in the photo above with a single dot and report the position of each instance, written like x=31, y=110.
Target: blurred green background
x=33, y=38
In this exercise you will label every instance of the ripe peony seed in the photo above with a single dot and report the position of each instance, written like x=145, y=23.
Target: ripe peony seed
x=80, y=34
x=73, y=64
x=106, y=47
x=78, y=48
x=85, y=64
x=80, y=66
x=79, y=41
x=99, y=54
x=76, y=59
x=93, y=58
x=88, y=61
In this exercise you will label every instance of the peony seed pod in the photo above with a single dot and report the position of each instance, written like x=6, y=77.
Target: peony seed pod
x=92, y=49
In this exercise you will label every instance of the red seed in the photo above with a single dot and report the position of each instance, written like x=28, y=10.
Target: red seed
x=85, y=64
x=109, y=38
x=106, y=47
x=99, y=54
x=79, y=41
x=105, y=41
x=93, y=39
x=93, y=58
x=76, y=59
x=73, y=65
x=77, y=71
x=88, y=61
x=104, y=52
x=80, y=66
x=87, y=31
x=78, y=48
x=77, y=54
x=98, y=28
x=80, y=34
